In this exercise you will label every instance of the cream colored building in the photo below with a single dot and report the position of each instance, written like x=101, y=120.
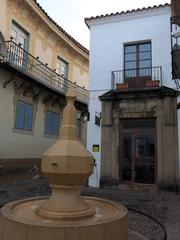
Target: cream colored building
x=38, y=61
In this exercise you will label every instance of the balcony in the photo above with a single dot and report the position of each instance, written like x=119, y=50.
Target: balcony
x=137, y=79
x=22, y=61
x=175, y=44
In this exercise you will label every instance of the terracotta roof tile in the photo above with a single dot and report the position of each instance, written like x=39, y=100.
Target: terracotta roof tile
x=61, y=29
x=126, y=12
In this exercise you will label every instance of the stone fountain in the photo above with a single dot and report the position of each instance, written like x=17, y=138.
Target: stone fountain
x=65, y=215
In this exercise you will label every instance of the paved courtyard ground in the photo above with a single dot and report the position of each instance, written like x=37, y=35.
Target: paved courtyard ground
x=151, y=214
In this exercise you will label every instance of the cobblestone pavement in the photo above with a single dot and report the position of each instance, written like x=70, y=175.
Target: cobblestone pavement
x=161, y=206
x=144, y=208
x=173, y=219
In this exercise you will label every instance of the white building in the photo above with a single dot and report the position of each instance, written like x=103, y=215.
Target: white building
x=130, y=54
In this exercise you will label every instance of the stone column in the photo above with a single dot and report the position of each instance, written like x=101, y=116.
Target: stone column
x=159, y=141
x=115, y=147
x=106, y=144
x=169, y=145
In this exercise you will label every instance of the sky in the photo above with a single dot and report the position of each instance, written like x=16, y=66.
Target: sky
x=70, y=14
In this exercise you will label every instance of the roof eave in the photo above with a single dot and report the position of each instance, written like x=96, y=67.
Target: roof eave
x=91, y=20
x=59, y=31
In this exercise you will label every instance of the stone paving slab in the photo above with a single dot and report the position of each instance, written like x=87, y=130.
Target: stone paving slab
x=132, y=235
x=147, y=205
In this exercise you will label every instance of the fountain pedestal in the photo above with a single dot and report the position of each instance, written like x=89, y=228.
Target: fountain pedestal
x=65, y=215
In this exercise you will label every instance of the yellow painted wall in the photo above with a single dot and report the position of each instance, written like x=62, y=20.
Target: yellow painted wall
x=3, y=14
x=43, y=41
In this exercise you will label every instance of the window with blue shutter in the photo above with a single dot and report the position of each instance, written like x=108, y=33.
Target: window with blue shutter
x=52, y=123
x=24, y=116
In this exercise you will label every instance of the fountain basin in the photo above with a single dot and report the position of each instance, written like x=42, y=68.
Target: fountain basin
x=19, y=221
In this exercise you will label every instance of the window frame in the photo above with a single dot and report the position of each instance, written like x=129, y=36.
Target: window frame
x=137, y=60
x=21, y=30
x=60, y=59
x=63, y=79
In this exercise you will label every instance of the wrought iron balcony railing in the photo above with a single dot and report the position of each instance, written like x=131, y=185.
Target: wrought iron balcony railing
x=137, y=79
x=24, y=62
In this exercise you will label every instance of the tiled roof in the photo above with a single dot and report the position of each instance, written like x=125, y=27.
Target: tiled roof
x=61, y=29
x=127, y=12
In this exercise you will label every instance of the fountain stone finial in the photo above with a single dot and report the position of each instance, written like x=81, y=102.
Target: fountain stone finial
x=67, y=164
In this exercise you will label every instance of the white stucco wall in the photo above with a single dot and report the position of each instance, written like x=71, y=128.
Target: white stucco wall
x=107, y=39
x=94, y=135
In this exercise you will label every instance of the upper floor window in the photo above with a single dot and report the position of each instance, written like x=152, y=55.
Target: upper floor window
x=52, y=123
x=24, y=116
x=62, y=68
x=137, y=60
x=19, y=35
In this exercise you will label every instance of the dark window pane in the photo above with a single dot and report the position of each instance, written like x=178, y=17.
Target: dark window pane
x=145, y=64
x=130, y=49
x=19, y=122
x=52, y=123
x=29, y=111
x=20, y=108
x=48, y=123
x=28, y=117
x=28, y=124
x=145, y=47
x=144, y=55
x=130, y=65
x=130, y=57
x=56, y=119
x=49, y=117
x=129, y=124
x=145, y=146
x=145, y=72
x=145, y=174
